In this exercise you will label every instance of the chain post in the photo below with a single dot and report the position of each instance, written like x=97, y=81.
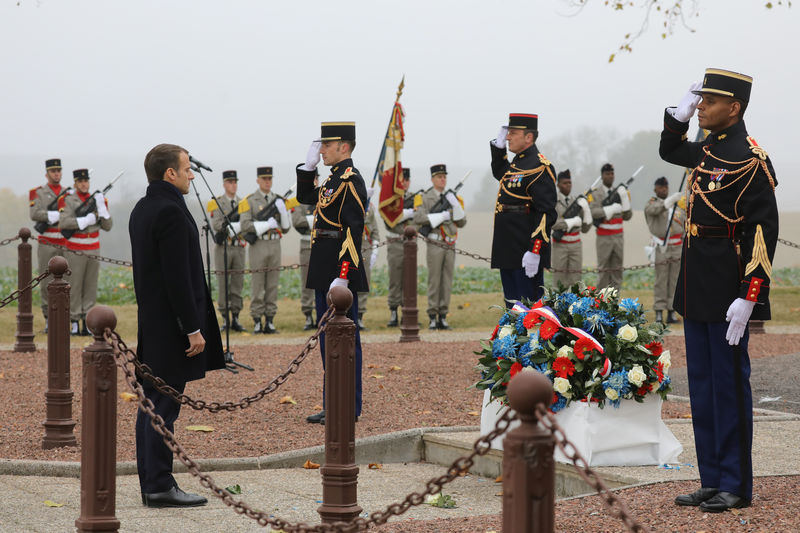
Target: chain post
x=99, y=428
x=340, y=473
x=528, y=466
x=58, y=397
x=24, y=276
x=409, y=325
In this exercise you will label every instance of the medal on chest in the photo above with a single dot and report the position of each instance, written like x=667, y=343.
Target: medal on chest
x=715, y=180
x=514, y=180
x=326, y=196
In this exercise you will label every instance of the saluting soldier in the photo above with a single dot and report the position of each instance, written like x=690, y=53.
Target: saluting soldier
x=265, y=248
x=228, y=204
x=524, y=211
x=610, y=242
x=370, y=254
x=667, y=254
x=44, y=212
x=725, y=277
x=303, y=221
x=443, y=212
x=84, y=236
x=567, y=259
x=336, y=259
x=394, y=251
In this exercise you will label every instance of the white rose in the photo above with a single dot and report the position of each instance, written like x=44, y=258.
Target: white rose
x=612, y=394
x=561, y=385
x=665, y=360
x=636, y=375
x=564, y=351
x=505, y=331
x=627, y=333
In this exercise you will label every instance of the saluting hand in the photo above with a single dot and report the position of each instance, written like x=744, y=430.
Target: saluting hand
x=500, y=140
x=312, y=157
x=688, y=104
x=196, y=344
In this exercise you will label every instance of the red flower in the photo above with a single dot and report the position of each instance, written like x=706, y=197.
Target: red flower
x=530, y=320
x=548, y=330
x=494, y=333
x=583, y=347
x=555, y=398
x=538, y=304
x=515, y=369
x=644, y=389
x=563, y=367
x=659, y=370
x=656, y=348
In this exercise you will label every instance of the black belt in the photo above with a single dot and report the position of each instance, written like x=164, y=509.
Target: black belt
x=507, y=208
x=729, y=231
x=326, y=234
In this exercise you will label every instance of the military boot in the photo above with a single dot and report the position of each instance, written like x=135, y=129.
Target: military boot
x=360, y=323
x=75, y=328
x=443, y=322
x=257, y=328
x=433, y=323
x=660, y=316
x=235, y=325
x=671, y=318
x=84, y=330
x=269, y=327
x=309, y=322
x=223, y=324
x=393, y=322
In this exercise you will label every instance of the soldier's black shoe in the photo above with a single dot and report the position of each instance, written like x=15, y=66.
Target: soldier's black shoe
x=723, y=501
x=443, y=322
x=174, y=497
x=660, y=316
x=433, y=324
x=309, y=322
x=223, y=324
x=84, y=329
x=360, y=322
x=697, y=497
x=393, y=322
x=318, y=418
x=671, y=319
x=235, y=325
x=75, y=329
x=257, y=328
x=269, y=327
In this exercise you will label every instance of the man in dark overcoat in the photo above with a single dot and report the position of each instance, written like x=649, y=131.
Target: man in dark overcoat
x=178, y=334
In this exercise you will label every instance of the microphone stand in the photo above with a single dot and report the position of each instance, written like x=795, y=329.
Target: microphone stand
x=230, y=363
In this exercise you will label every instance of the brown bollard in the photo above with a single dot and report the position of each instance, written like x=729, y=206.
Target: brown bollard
x=340, y=473
x=756, y=327
x=99, y=428
x=409, y=325
x=24, y=276
x=58, y=397
x=528, y=465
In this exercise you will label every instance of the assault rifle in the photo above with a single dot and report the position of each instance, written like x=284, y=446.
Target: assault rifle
x=89, y=206
x=268, y=211
x=219, y=237
x=574, y=209
x=408, y=202
x=443, y=204
x=613, y=196
x=41, y=227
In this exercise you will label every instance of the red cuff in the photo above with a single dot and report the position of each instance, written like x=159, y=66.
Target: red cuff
x=537, y=246
x=345, y=268
x=754, y=289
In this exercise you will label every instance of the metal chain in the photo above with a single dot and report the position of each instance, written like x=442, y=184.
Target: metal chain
x=9, y=240
x=788, y=243
x=615, y=505
x=32, y=285
x=214, y=407
x=281, y=268
x=120, y=262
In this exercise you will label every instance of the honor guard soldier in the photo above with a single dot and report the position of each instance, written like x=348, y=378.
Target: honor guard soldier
x=667, y=254
x=608, y=218
x=264, y=220
x=724, y=279
x=524, y=211
x=44, y=213
x=303, y=221
x=339, y=202
x=443, y=213
x=218, y=208
x=574, y=218
x=84, y=236
x=394, y=251
x=369, y=252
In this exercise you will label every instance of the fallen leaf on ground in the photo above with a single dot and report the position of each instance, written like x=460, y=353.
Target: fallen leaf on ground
x=317, y=407
x=375, y=466
x=498, y=479
x=205, y=429
x=51, y=503
x=371, y=365
x=2, y=375
x=395, y=367
x=377, y=376
x=234, y=489
x=501, y=493
x=128, y=396
x=426, y=412
x=308, y=465
x=288, y=399
x=467, y=304
x=474, y=413
x=441, y=500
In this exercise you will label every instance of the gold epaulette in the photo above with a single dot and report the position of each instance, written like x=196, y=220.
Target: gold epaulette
x=756, y=149
x=212, y=205
x=244, y=206
x=347, y=173
x=32, y=194
x=292, y=202
x=417, y=200
x=544, y=160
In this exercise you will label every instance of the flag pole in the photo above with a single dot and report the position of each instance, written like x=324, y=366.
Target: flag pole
x=388, y=127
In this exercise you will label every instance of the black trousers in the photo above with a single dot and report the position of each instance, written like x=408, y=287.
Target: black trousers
x=516, y=285
x=153, y=458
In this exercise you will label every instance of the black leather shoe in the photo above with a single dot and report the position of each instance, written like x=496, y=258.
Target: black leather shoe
x=723, y=501
x=443, y=322
x=318, y=418
x=269, y=327
x=360, y=323
x=235, y=324
x=257, y=328
x=309, y=322
x=393, y=321
x=75, y=328
x=697, y=497
x=660, y=316
x=671, y=319
x=432, y=324
x=174, y=497
x=84, y=330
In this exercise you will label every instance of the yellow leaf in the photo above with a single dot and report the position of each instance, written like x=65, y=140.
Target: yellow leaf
x=377, y=376
x=474, y=413
x=371, y=365
x=128, y=397
x=204, y=429
x=426, y=412
x=288, y=399
x=467, y=304
x=498, y=479
x=611, y=58
x=50, y=503
x=308, y=465
x=375, y=466
x=317, y=407
x=395, y=368
x=501, y=493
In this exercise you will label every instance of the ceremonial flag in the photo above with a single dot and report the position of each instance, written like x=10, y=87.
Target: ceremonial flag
x=389, y=168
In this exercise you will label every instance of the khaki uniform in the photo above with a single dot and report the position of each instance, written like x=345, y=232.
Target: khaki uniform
x=394, y=259
x=441, y=260
x=568, y=250
x=371, y=237
x=85, y=271
x=265, y=253
x=302, y=220
x=656, y=215
x=235, y=253
x=610, y=239
x=40, y=199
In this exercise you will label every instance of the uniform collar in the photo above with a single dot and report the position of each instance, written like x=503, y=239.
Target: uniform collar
x=737, y=130
x=55, y=188
x=83, y=195
x=528, y=152
x=341, y=166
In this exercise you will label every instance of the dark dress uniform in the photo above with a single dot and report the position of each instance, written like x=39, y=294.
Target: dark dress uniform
x=524, y=214
x=732, y=230
x=336, y=236
x=173, y=300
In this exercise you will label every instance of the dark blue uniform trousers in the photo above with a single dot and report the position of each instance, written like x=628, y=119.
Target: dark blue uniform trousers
x=722, y=407
x=153, y=458
x=321, y=304
x=516, y=285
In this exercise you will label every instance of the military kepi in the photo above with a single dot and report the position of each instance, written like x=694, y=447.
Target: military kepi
x=229, y=175
x=264, y=172
x=523, y=121
x=52, y=164
x=80, y=174
x=438, y=169
x=338, y=131
x=726, y=83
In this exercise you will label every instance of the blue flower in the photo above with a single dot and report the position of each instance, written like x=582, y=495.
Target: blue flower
x=507, y=318
x=618, y=381
x=564, y=300
x=518, y=325
x=599, y=320
x=505, y=347
x=560, y=404
x=631, y=305
x=524, y=360
x=582, y=306
x=665, y=383
x=542, y=368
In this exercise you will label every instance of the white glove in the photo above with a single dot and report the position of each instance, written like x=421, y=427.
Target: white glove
x=738, y=314
x=572, y=222
x=688, y=105
x=370, y=192
x=272, y=223
x=281, y=206
x=587, y=213
x=530, y=262
x=263, y=226
x=625, y=198
x=312, y=157
x=373, y=256
x=286, y=222
x=672, y=199
x=500, y=140
x=53, y=216
x=102, y=208
x=310, y=221
x=458, y=211
x=88, y=220
x=237, y=228
x=339, y=282
x=611, y=210
x=407, y=213
x=437, y=218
